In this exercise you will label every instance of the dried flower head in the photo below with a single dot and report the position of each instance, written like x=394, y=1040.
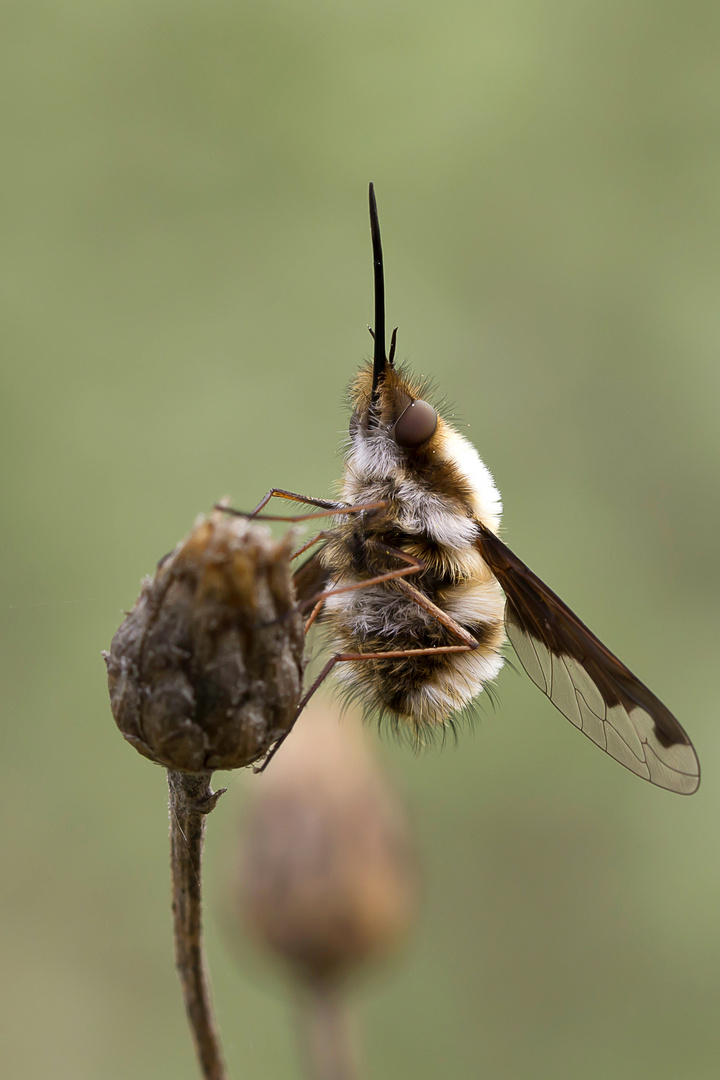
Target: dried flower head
x=206, y=670
x=328, y=873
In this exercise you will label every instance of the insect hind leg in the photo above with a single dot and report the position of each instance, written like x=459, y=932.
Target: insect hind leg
x=339, y=658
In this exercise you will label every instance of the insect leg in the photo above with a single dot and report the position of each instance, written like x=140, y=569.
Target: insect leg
x=280, y=493
x=316, y=602
x=396, y=654
x=322, y=535
x=415, y=565
x=315, y=612
x=442, y=617
x=402, y=571
x=393, y=654
x=381, y=504
x=426, y=604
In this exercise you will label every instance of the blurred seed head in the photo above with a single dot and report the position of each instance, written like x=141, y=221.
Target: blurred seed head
x=328, y=873
x=206, y=670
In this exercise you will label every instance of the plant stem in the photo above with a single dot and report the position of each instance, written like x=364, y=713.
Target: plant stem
x=328, y=1035
x=191, y=799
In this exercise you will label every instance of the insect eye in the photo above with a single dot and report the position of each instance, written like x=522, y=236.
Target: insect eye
x=415, y=425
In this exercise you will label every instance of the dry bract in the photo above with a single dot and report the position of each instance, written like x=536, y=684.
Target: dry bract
x=206, y=670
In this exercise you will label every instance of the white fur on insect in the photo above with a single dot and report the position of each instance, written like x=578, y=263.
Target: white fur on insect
x=374, y=458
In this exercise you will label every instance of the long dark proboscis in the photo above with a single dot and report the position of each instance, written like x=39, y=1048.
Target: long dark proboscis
x=380, y=358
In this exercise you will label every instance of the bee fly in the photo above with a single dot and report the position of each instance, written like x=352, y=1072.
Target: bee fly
x=418, y=591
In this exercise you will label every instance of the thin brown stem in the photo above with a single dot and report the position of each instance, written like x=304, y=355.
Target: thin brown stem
x=191, y=799
x=328, y=1035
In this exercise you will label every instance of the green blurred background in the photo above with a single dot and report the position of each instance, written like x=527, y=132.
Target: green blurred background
x=186, y=285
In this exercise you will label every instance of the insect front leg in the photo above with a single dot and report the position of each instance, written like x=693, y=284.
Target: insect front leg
x=335, y=509
x=281, y=493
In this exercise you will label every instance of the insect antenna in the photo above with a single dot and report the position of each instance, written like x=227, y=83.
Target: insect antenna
x=393, y=343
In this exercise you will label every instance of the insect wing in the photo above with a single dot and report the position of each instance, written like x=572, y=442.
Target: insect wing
x=585, y=681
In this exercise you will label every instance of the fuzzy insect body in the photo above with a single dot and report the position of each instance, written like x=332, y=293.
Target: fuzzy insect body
x=414, y=585
x=435, y=496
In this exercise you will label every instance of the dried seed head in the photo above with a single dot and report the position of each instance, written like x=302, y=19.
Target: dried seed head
x=206, y=671
x=328, y=876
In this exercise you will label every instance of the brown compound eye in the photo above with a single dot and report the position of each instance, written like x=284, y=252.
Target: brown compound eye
x=415, y=425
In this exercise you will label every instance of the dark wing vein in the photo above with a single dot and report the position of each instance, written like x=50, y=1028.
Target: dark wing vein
x=585, y=681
